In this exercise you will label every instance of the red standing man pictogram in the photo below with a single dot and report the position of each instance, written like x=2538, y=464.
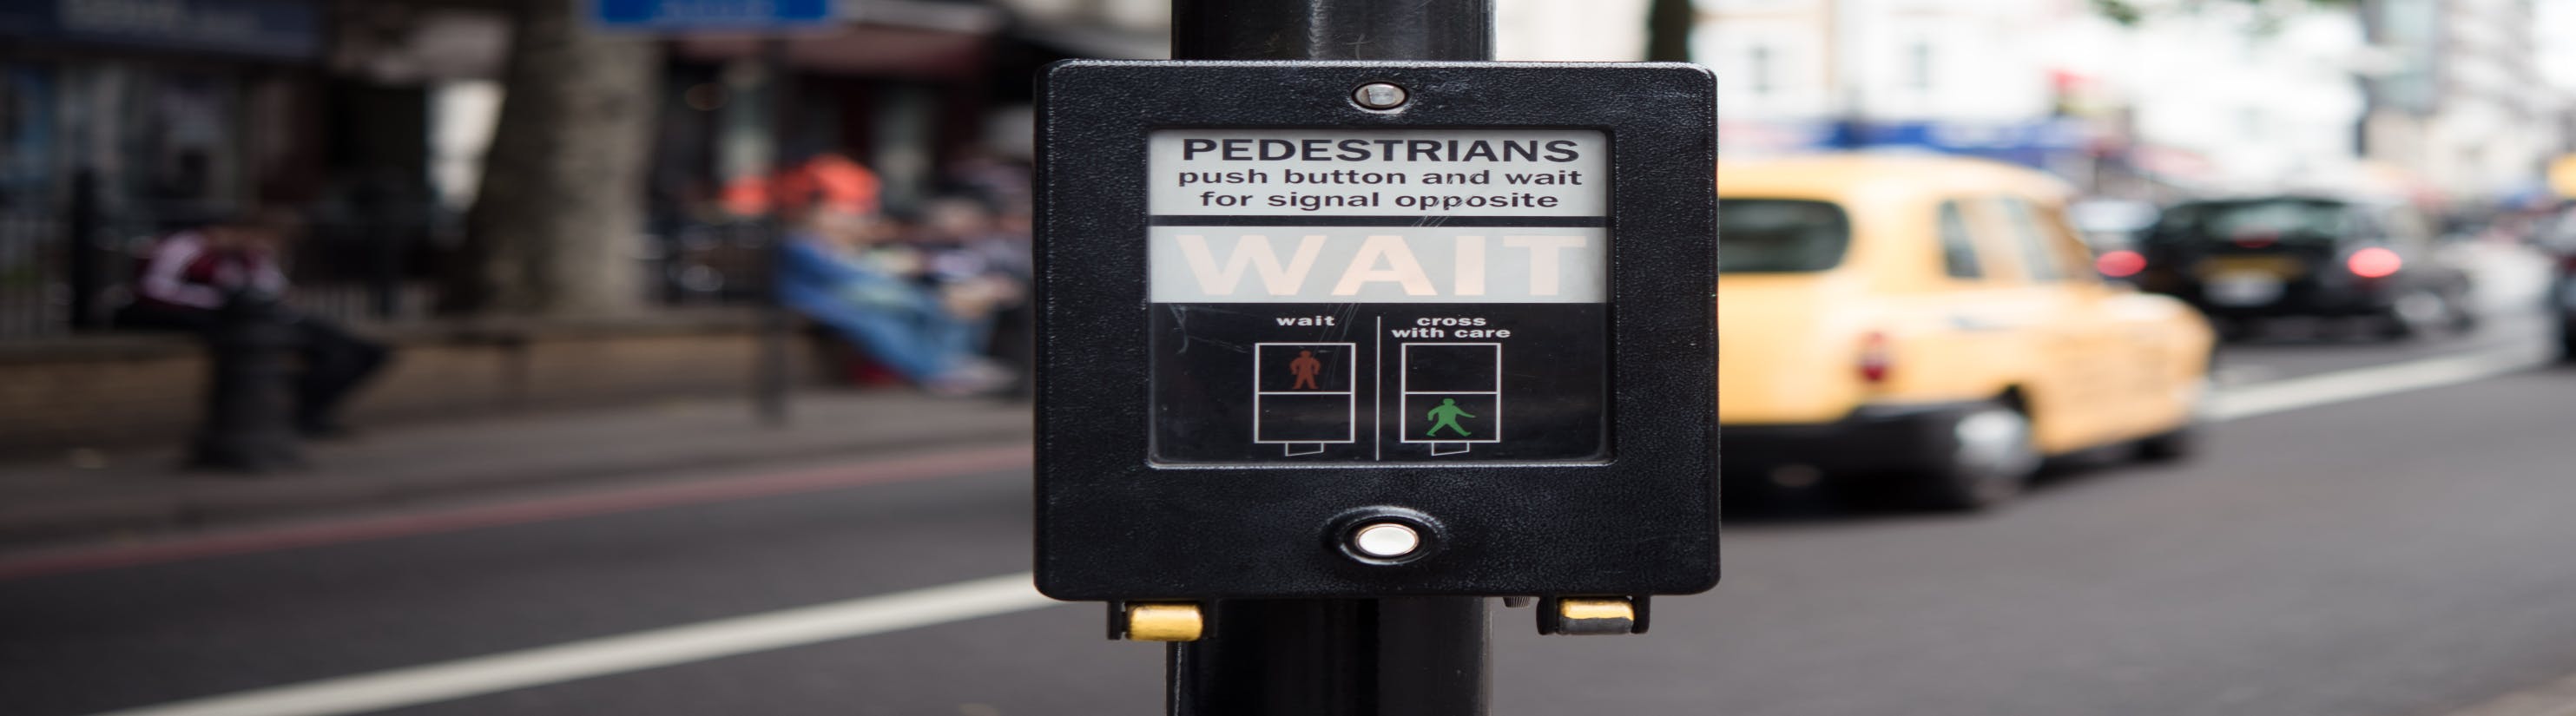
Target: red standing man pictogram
x=1305, y=366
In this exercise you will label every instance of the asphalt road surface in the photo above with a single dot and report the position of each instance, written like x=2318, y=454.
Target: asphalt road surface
x=2339, y=552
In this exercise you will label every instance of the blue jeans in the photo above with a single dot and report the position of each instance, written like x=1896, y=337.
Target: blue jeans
x=918, y=344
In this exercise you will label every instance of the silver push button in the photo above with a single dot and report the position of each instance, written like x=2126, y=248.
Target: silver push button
x=1386, y=540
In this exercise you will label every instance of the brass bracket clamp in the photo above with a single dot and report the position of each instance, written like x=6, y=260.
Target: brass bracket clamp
x=1187, y=621
x=1587, y=616
x=1157, y=621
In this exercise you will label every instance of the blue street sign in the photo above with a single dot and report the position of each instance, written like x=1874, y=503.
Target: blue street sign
x=710, y=14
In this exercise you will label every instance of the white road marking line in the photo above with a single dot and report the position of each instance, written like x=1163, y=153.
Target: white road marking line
x=669, y=646
x=2228, y=376
x=2341, y=386
x=2556, y=698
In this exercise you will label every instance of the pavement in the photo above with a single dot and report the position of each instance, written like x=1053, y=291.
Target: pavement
x=89, y=495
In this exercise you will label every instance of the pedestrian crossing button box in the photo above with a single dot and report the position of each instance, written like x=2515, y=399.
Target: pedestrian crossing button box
x=1273, y=317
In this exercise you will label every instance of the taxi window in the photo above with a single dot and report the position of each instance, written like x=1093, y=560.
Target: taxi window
x=1958, y=244
x=2039, y=257
x=2075, y=255
x=1780, y=236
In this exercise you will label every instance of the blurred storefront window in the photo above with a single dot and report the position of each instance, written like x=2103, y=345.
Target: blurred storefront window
x=141, y=116
x=172, y=103
x=28, y=138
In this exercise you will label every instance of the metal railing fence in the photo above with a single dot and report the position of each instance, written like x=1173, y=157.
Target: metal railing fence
x=66, y=272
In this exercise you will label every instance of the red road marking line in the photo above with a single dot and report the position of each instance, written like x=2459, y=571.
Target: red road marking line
x=901, y=469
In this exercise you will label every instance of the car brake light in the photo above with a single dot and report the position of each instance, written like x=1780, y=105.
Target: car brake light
x=2374, y=262
x=2120, y=264
x=1874, y=358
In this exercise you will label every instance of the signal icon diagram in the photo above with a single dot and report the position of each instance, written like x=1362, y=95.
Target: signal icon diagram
x=1304, y=395
x=1451, y=395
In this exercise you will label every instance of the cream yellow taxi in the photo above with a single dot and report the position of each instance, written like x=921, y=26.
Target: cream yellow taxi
x=1932, y=326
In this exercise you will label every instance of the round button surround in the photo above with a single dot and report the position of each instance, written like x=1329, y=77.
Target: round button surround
x=1386, y=540
x=1384, y=548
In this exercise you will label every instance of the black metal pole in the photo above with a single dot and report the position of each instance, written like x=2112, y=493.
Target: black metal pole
x=246, y=427
x=1333, y=30
x=769, y=386
x=388, y=241
x=1412, y=656
x=1415, y=656
x=81, y=251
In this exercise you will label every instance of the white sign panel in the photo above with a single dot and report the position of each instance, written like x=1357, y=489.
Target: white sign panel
x=1391, y=172
x=1379, y=216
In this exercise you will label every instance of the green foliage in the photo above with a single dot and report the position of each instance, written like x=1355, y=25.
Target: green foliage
x=2119, y=11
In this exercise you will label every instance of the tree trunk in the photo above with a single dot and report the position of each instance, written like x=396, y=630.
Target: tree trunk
x=557, y=224
x=1668, y=30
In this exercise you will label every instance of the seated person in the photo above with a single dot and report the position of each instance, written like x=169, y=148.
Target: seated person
x=926, y=334
x=190, y=275
x=976, y=244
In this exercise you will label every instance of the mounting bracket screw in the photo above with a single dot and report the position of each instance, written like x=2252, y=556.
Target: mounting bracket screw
x=1379, y=96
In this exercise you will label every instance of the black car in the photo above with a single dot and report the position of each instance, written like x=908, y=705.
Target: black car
x=2559, y=238
x=2244, y=261
x=2562, y=302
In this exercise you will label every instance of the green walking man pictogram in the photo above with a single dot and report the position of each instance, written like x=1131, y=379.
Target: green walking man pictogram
x=1446, y=416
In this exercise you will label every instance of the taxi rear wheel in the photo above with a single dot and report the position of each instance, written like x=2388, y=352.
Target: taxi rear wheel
x=2170, y=446
x=1990, y=458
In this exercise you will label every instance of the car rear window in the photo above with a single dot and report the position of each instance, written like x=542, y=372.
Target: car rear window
x=2268, y=220
x=1780, y=235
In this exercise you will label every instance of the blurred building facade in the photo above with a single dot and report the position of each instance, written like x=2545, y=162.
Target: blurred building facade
x=2224, y=99
x=2441, y=98
x=2457, y=96
x=121, y=120
x=188, y=102
x=1969, y=78
x=2173, y=105
x=124, y=119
